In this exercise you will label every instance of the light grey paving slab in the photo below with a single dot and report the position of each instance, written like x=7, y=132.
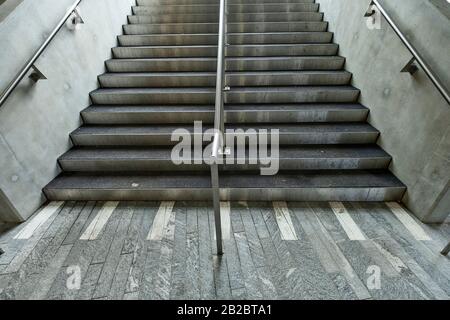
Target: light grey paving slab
x=131, y=296
x=236, y=279
x=50, y=273
x=89, y=282
x=333, y=260
x=129, y=244
x=60, y=219
x=239, y=294
x=258, y=220
x=150, y=269
x=433, y=263
x=104, y=241
x=221, y=277
x=407, y=267
x=59, y=235
x=313, y=281
x=410, y=271
x=79, y=257
x=334, y=228
x=113, y=257
x=285, y=271
x=255, y=247
x=249, y=275
x=178, y=283
x=235, y=216
x=192, y=275
x=207, y=286
x=149, y=210
x=121, y=277
x=226, y=268
x=29, y=245
x=161, y=283
x=10, y=248
x=77, y=227
x=390, y=288
x=329, y=220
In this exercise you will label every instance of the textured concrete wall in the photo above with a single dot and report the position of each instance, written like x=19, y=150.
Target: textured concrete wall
x=8, y=6
x=36, y=120
x=412, y=116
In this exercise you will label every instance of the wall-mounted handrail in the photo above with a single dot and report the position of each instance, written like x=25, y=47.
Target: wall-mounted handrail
x=416, y=55
x=219, y=123
x=30, y=64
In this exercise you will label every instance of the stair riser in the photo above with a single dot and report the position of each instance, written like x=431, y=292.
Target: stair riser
x=192, y=28
x=234, y=17
x=233, y=39
x=230, y=194
x=209, y=80
x=233, y=51
x=205, y=65
x=164, y=139
x=230, y=117
x=315, y=96
x=193, y=2
x=232, y=8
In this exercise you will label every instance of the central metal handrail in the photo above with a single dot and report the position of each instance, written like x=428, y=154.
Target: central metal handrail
x=30, y=64
x=219, y=123
x=416, y=55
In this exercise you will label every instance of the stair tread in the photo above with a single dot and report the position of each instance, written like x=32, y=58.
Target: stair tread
x=189, y=180
x=237, y=108
x=233, y=89
x=212, y=73
x=164, y=153
x=169, y=128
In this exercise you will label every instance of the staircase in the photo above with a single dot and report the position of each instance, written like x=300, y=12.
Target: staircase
x=284, y=73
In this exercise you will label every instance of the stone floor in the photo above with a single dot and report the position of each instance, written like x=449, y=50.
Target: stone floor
x=149, y=250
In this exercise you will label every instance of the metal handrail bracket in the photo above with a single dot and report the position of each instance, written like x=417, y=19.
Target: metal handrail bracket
x=417, y=57
x=37, y=74
x=219, y=124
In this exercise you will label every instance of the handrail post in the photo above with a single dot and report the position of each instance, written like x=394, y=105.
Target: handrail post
x=219, y=125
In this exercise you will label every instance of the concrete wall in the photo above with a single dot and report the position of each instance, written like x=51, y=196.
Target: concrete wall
x=36, y=120
x=8, y=6
x=412, y=116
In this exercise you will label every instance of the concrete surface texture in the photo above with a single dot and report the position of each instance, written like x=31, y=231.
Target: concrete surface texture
x=36, y=120
x=408, y=110
x=161, y=250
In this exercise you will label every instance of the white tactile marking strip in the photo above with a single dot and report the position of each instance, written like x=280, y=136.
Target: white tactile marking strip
x=100, y=220
x=38, y=220
x=284, y=221
x=161, y=220
x=405, y=218
x=345, y=219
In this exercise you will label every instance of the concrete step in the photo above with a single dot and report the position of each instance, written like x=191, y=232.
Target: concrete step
x=98, y=114
x=206, y=2
x=232, y=64
x=129, y=159
x=266, y=50
x=232, y=8
x=289, y=134
x=232, y=17
x=257, y=95
x=177, y=39
x=354, y=185
x=192, y=28
x=232, y=38
x=232, y=79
